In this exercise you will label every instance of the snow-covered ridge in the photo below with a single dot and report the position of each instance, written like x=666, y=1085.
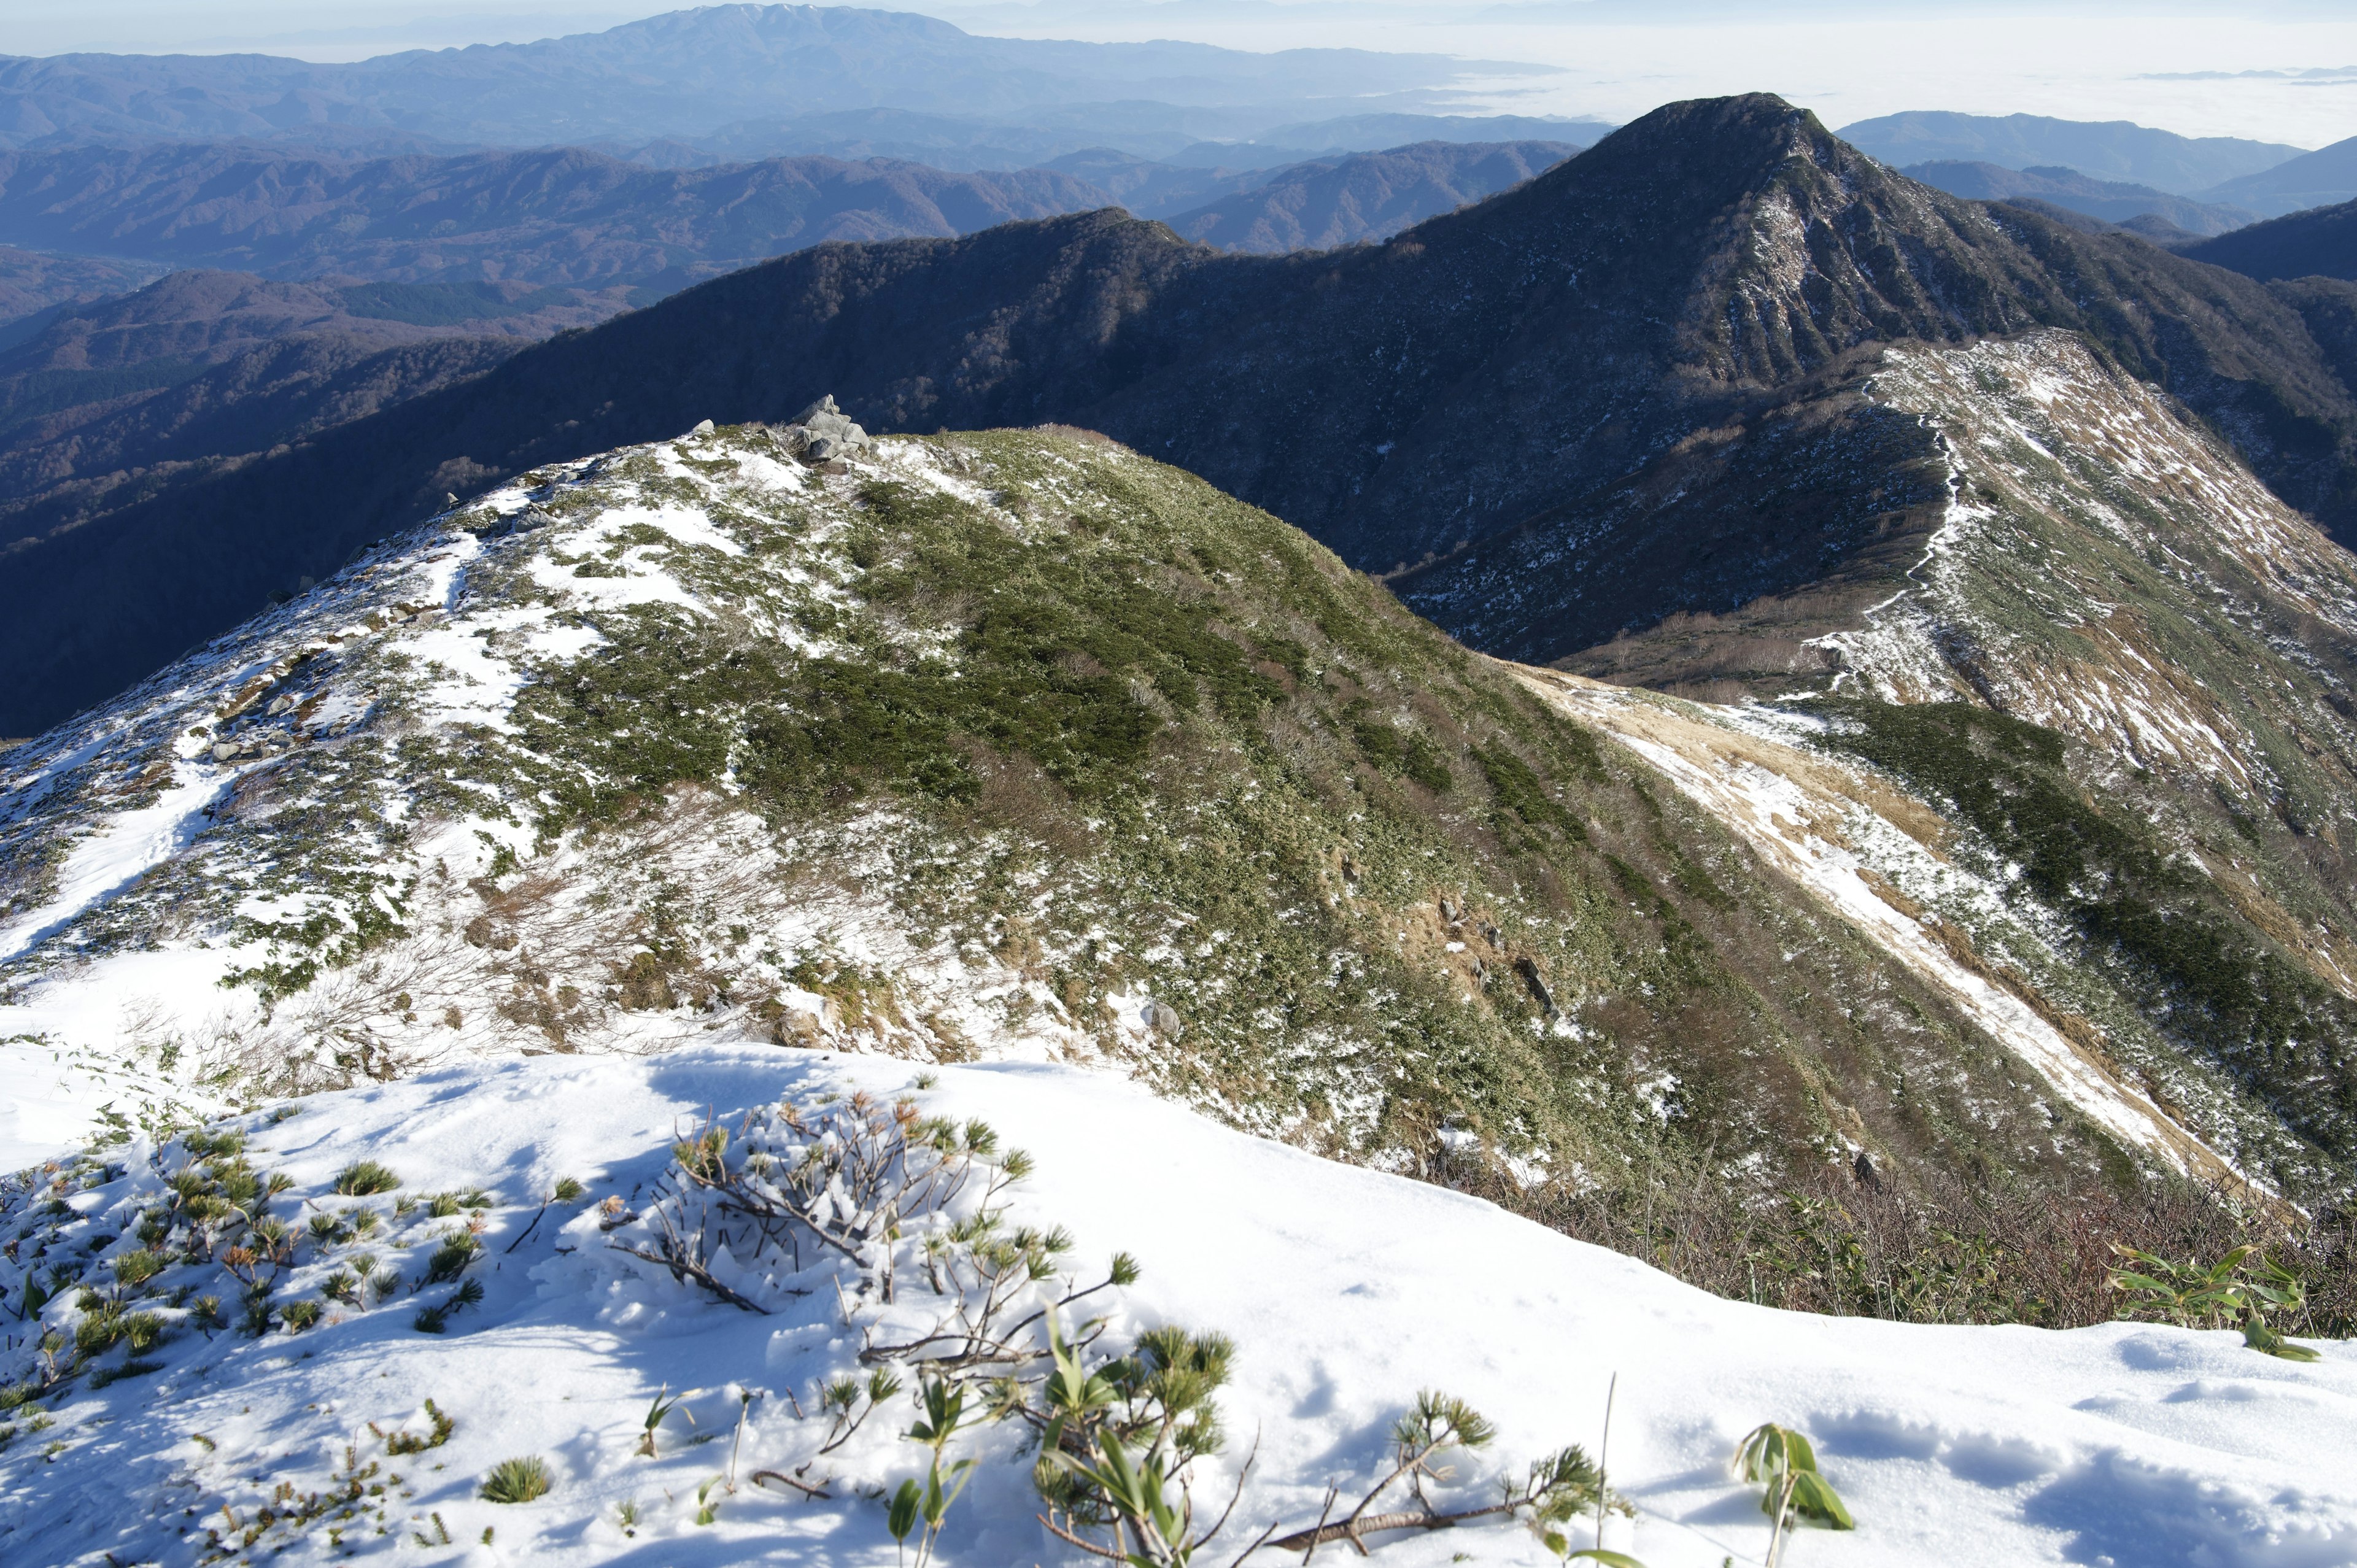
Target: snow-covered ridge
x=190, y=876
x=1345, y=1290
x=2109, y=569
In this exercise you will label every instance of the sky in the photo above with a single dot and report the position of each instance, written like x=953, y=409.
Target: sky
x=2280, y=70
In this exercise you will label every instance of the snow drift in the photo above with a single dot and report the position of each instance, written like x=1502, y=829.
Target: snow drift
x=1346, y=1291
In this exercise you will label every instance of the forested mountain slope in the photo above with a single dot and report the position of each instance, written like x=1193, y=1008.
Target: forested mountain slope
x=2320, y=243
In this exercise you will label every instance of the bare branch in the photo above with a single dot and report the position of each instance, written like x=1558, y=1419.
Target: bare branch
x=818, y=1491
x=682, y=1267
x=1088, y=1546
x=1352, y=1529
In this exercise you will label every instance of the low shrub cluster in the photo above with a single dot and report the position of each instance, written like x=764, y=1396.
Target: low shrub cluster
x=983, y=1326
x=1843, y=1242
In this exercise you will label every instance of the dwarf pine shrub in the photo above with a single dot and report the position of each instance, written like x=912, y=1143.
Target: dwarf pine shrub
x=517, y=1480
x=450, y=1259
x=363, y=1179
x=138, y=1268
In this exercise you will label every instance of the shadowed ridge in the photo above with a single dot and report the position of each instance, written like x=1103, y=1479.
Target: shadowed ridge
x=2320, y=243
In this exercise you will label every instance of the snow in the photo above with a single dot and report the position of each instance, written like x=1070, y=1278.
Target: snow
x=1346, y=1291
x=54, y=1099
x=128, y=846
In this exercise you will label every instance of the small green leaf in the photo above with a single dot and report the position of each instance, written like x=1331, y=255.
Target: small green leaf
x=1815, y=1500
x=902, y=1517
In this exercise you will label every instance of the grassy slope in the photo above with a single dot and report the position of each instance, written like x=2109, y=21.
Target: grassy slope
x=1151, y=737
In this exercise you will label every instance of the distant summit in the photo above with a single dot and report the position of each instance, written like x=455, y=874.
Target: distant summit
x=686, y=73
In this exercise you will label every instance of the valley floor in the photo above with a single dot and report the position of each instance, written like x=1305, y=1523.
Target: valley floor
x=1345, y=1292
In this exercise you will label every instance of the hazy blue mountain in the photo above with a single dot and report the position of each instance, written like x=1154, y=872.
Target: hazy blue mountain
x=683, y=74
x=31, y=282
x=2325, y=177
x=1365, y=196
x=555, y=217
x=2112, y=149
x=2112, y=200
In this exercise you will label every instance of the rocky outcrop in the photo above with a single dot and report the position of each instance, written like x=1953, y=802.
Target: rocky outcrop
x=822, y=432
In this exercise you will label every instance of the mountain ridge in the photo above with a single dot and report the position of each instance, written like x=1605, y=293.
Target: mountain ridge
x=1798, y=249
x=2320, y=243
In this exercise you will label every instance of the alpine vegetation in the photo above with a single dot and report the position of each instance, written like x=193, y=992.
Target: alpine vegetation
x=1015, y=744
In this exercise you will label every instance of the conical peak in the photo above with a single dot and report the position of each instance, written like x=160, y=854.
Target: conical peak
x=1724, y=143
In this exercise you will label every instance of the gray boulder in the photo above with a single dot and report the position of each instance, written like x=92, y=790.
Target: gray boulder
x=822, y=430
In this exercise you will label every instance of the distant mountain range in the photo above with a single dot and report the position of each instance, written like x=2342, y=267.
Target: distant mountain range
x=104, y=402
x=556, y=217
x=31, y=282
x=2111, y=201
x=693, y=73
x=565, y=217
x=2322, y=178
x=2266, y=179
x=1159, y=133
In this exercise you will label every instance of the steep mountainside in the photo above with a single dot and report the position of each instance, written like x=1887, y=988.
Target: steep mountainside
x=2108, y=199
x=1371, y=196
x=2097, y=566
x=2325, y=177
x=200, y=370
x=2110, y=150
x=1503, y=370
x=2321, y=243
x=680, y=74
x=1000, y=745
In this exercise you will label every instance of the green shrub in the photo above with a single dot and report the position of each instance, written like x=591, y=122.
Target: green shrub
x=363, y=1177
x=451, y=1258
x=138, y=1268
x=517, y=1480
